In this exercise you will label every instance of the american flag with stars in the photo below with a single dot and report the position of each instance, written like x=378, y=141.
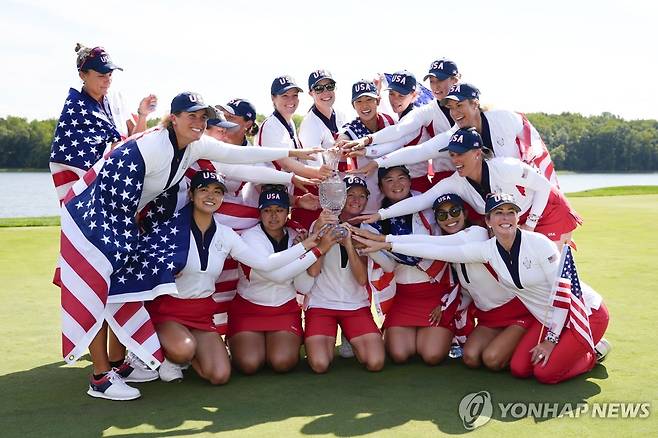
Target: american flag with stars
x=83, y=131
x=568, y=297
x=108, y=265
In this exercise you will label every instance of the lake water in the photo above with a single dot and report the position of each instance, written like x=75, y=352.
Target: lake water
x=24, y=194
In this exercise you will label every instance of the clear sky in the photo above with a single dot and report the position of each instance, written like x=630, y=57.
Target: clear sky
x=551, y=56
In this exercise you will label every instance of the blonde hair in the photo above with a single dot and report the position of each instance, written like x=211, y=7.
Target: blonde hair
x=166, y=121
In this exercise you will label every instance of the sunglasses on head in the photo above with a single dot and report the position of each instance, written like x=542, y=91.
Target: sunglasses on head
x=442, y=215
x=320, y=88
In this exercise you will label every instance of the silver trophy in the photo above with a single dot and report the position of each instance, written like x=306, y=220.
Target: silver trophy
x=333, y=191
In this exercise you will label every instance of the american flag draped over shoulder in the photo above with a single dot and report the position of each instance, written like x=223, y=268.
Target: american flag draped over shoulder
x=107, y=266
x=83, y=131
x=534, y=152
x=568, y=298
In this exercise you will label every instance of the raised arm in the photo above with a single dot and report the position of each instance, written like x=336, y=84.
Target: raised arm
x=409, y=124
x=469, y=253
x=246, y=254
x=412, y=204
x=254, y=174
x=416, y=154
x=471, y=234
x=214, y=150
x=290, y=270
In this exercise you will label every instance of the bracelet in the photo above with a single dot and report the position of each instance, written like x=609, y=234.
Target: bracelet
x=315, y=250
x=368, y=140
x=551, y=337
x=533, y=218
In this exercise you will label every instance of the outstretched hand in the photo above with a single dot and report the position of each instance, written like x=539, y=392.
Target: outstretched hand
x=366, y=219
x=304, y=154
x=371, y=246
x=303, y=183
x=365, y=170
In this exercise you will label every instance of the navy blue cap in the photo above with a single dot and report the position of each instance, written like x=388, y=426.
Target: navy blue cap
x=240, y=107
x=448, y=197
x=461, y=92
x=383, y=171
x=442, y=69
x=282, y=84
x=495, y=200
x=220, y=121
x=404, y=82
x=98, y=60
x=317, y=76
x=364, y=87
x=188, y=102
x=464, y=140
x=274, y=196
x=204, y=178
x=355, y=181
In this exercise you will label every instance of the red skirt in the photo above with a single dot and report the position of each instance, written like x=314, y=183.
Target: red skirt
x=512, y=312
x=195, y=313
x=245, y=316
x=353, y=323
x=557, y=218
x=413, y=303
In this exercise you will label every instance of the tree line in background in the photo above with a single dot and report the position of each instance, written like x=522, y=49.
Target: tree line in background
x=577, y=143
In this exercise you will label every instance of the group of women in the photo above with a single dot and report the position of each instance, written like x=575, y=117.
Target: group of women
x=457, y=225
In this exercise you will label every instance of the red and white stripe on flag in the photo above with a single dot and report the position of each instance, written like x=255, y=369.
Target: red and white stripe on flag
x=533, y=151
x=84, y=275
x=565, y=300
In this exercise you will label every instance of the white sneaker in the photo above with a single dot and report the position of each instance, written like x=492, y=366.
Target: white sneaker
x=345, y=348
x=134, y=370
x=602, y=349
x=112, y=387
x=170, y=372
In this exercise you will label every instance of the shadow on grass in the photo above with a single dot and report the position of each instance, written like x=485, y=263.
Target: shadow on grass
x=50, y=401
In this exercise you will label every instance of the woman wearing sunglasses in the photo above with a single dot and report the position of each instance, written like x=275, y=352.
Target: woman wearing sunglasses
x=526, y=264
x=418, y=285
x=319, y=128
x=544, y=208
x=279, y=130
x=502, y=319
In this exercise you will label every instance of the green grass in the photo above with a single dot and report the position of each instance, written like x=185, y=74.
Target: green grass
x=41, y=397
x=616, y=191
x=44, y=221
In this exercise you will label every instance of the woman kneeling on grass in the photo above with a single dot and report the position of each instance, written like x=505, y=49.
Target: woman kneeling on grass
x=184, y=323
x=264, y=318
x=339, y=295
x=502, y=319
x=528, y=264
